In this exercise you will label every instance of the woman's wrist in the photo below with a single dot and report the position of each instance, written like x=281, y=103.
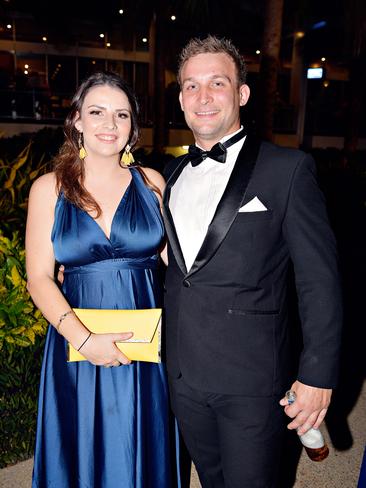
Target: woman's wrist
x=62, y=318
x=85, y=340
x=70, y=327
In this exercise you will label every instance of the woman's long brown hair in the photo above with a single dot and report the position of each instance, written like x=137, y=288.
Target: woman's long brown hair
x=68, y=167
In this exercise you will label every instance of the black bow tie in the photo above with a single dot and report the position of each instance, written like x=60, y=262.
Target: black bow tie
x=218, y=152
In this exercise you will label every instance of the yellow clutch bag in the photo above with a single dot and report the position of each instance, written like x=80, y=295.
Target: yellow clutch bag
x=144, y=345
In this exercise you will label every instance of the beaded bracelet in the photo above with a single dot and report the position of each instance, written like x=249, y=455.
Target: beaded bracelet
x=62, y=317
x=85, y=341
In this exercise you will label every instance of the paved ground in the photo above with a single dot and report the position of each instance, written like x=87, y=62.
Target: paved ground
x=340, y=470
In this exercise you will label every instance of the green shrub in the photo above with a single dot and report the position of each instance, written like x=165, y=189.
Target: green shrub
x=19, y=378
x=16, y=177
x=20, y=320
x=22, y=327
x=22, y=160
x=22, y=330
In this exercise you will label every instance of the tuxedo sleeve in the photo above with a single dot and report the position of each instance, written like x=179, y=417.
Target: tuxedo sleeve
x=312, y=248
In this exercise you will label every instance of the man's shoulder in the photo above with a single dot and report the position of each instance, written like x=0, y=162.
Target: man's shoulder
x=277, y=157
x=268, y=149
x=171, y=166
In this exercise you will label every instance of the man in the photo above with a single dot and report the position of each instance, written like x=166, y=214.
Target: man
x=234, y=224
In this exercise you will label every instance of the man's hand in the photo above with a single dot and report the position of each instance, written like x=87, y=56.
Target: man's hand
x=309, y=409
x=60, y=274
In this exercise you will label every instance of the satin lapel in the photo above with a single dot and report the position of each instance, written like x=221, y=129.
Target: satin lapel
x=168, y=219
x=230, y=202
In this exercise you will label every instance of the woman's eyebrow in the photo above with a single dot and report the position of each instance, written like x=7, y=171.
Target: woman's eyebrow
x=104, y=108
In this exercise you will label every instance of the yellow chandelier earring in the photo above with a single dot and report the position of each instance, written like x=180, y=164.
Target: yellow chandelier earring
x=127, y=157
x=82, y=152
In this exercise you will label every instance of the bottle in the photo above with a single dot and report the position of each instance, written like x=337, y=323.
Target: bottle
x=312, y=440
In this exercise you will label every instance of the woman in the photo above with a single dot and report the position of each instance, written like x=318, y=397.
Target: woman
x=103, y=422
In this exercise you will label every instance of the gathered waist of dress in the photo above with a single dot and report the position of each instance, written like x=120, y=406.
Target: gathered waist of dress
x=150, y=262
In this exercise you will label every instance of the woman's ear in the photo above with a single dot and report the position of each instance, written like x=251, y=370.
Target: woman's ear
x=77, y=122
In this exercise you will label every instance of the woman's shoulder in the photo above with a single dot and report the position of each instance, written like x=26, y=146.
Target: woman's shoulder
x=154, y=177
x=45, y=185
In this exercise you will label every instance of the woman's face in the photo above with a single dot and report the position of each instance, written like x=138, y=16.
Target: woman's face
x=104, y=121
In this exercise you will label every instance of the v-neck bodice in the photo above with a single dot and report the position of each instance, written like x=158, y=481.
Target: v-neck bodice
x=136, y=231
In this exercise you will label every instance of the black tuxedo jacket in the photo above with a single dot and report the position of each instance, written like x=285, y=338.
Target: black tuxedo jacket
x=227, y=318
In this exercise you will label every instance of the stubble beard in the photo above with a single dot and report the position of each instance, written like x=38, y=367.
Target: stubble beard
x=206, y=133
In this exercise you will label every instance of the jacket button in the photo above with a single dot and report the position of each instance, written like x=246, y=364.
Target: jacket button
x=186, y=283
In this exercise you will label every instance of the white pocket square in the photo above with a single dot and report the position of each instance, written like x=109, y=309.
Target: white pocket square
x=255, y=205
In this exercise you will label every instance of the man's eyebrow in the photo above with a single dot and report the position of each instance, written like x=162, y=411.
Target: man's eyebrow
x=213, y=77
x=188, y=79
x=226, y=77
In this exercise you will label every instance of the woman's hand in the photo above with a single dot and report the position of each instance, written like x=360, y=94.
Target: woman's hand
x=101, y=349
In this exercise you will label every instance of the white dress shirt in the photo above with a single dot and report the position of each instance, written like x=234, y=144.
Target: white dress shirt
x=195, y=196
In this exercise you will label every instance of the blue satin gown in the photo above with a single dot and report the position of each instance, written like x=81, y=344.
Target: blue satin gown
x=105, y=427
x=362, y=479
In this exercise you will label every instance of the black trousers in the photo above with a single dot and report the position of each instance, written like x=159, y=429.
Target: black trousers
x=234, y=441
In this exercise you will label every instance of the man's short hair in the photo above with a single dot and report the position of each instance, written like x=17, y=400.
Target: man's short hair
x=214, y=45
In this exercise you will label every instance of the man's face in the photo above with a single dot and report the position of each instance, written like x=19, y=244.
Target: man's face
x=210, y=97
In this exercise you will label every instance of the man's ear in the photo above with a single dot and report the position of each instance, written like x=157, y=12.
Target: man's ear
x=77, y=122
x=181, y=101
x=244, y=94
